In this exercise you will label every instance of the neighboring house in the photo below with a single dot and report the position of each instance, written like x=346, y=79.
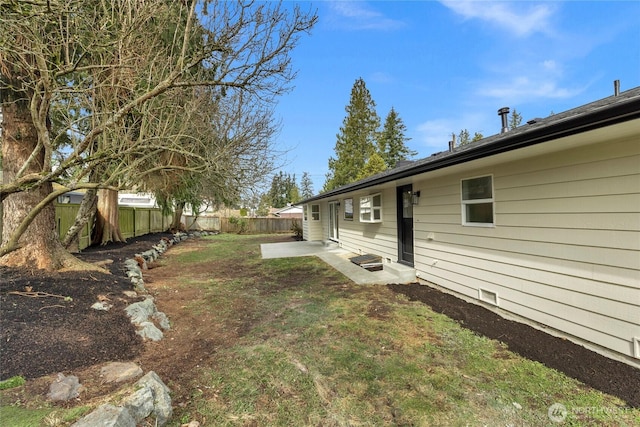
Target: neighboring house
x=137, y=200
x=541, y=222
x=289, y=212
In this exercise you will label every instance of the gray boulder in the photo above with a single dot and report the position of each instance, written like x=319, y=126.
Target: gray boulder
x=162, y=409
x=65, y=388
x=141, y=311
x=107, y=416
x=120, y=371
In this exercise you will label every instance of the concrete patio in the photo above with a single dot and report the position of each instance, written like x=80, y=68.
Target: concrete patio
x=338, y=258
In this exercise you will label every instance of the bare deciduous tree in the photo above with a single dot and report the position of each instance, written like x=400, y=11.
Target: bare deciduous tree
x=88, y=90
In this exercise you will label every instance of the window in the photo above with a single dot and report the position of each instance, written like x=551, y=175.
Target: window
x=371, y=208
x=305, y=210
x=315, y=212
x=348, y=209
x=477, y=201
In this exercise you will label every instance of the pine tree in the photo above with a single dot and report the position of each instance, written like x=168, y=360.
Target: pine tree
x=515, y=119
x=391, y=141
x=283, y=190
x=477, y=137
x=374, y=165
x=463, y=137
x=356, y=141
x=306, y=186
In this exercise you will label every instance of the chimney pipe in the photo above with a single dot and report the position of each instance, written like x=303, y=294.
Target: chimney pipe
x=503, y=113
x=452, y=143
x=616, y=87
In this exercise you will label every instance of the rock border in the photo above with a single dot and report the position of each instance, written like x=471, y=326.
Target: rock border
x=144, y=314
x=151, y=397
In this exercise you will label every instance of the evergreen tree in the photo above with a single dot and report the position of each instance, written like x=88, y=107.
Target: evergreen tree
x=306, y=186
x=283, y=190
x=515, y=119
x=391, y=141
x=463, y=137
x=374, y=165
x=356, y=141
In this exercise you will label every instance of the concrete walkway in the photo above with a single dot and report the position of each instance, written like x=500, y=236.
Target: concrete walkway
x=333, y=255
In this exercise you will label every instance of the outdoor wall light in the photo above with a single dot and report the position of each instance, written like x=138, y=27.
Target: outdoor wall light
x=415, y=197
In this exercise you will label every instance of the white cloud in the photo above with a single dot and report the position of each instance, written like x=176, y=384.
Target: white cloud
x=510, y=16
x=359, y=15
x=526, y=82
x=528, y=89
x=381, y=77
x=435, y=134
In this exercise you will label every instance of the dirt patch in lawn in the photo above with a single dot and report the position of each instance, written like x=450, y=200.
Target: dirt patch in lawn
x=61, y=333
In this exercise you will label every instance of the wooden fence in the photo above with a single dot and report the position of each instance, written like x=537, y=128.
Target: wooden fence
x=133, y=222
x=139, y=221
x=243, y=224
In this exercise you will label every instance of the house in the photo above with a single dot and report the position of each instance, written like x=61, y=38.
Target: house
x=289, y=212
x=540, y=223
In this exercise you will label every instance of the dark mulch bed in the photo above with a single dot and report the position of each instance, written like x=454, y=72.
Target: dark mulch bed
x=612, y=377
x=40, y=335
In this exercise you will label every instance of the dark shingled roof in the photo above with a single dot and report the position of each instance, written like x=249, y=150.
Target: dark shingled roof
x=604, y=112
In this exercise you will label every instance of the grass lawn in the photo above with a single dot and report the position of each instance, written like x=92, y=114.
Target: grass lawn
x=319, y=350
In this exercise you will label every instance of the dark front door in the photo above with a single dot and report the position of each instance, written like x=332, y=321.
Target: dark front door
x=405, y=224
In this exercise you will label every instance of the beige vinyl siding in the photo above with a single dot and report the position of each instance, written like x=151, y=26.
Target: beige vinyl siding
x=565, y=250
x=377, y=238
x=312, y=230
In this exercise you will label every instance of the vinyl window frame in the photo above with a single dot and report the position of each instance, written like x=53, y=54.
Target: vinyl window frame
x=315, y=212
x=470, y=202
x=370, y=212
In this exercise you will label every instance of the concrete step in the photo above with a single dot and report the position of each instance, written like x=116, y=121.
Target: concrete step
x=404, y=273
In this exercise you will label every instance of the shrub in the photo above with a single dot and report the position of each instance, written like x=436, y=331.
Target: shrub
x=239, y=223
x=297, y=230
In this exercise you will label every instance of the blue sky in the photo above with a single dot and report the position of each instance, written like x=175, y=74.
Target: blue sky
x=450, y=65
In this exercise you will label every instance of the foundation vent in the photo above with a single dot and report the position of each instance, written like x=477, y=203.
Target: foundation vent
x=488, y=296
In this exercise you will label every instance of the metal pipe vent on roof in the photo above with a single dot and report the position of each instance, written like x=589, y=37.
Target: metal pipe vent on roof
x=616, y=87
x=503, y=113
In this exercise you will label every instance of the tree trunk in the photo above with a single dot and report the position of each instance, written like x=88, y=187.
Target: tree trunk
x=176, y=224
x=107, y=227
x=39, y=246
x=86, y=211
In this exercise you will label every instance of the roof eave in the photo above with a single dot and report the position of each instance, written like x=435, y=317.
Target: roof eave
x=607, y=116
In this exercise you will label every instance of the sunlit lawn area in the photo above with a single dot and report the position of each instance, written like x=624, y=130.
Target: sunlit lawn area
x=323, y=351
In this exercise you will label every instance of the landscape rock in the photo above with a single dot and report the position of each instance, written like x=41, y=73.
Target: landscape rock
x=139, y=404
x=141, y=311
x=162, y=320
x=120, y=371
x=65, y=388
x=151, y=398
x=102, y=306
x=149, y=331
x=107, y=416
x=162, y=409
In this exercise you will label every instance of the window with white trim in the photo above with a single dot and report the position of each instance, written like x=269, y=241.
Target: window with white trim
x=315, y=212
x=477, y=201
x=371, y=208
